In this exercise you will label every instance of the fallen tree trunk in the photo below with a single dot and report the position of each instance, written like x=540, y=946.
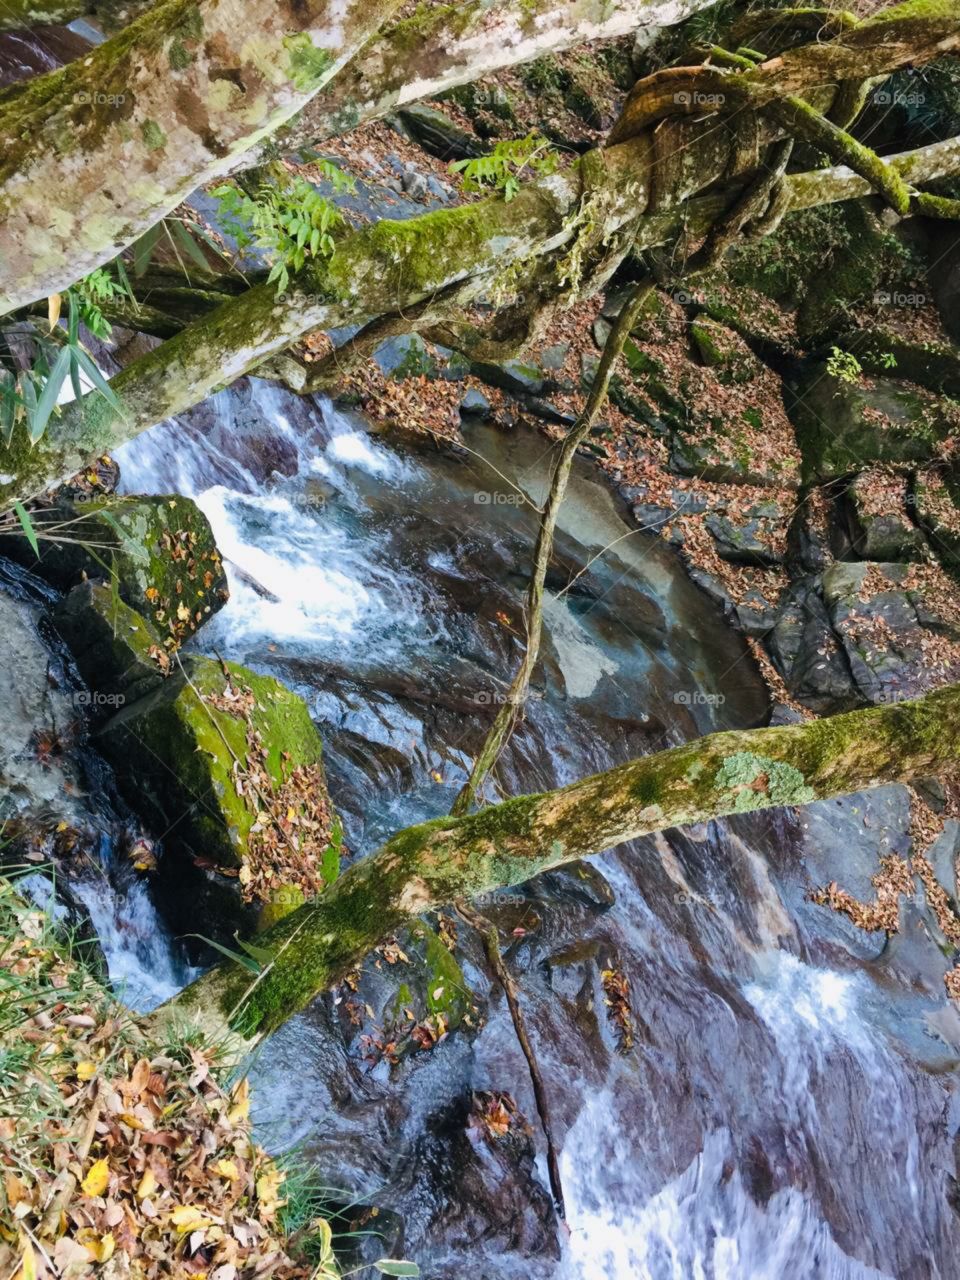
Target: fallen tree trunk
x=130, y=130
x=391, y=266
x=427, y=866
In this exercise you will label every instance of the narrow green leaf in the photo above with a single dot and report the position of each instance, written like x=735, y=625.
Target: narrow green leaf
x=262, y=955
x=73, y=323
x=247, y=963
x=98, y=380
x=144, y=247
x=49, y=394
x=75, y=374
x=190, y=246
x=23, y=515
x=393, y=1267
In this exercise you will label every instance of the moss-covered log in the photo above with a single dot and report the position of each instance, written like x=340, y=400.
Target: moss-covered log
x=93, y=154
x=429, y=865
x=906, y=35
x=390, y=267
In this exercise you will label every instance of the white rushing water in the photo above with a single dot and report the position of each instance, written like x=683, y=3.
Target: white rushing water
x=704, y=1224
x=137, y=947
x=295, y=574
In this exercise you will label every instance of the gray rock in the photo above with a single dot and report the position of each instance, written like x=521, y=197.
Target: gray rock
x=475, y=404
x=741, y=543
x=36, y=709
x=439, y=135
x=512, y=375
x=601, y=331
x=650, y=516
x=438, y=190
x=843, y=427
x=405, y=356
x=555, y=356
x=414, y=184
x=808, y=655
x=887, y=536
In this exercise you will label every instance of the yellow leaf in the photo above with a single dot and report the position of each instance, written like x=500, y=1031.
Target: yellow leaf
x=53, y=309
x=183, y=613
x=240, y=1110
x=244, y=875
x=98, y=1175
x=437, y=777
x=227, y=1169
x=148, y=1184
x=187, y=1217
x=28, y=1264
x=105, y=1247
x=86, y=1071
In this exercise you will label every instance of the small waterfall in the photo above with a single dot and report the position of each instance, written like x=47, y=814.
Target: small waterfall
x=771, y=1120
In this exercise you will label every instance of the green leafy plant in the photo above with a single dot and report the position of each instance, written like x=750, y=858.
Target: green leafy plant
x=290, y=223
x=844, y=365
x=97, y=288
x=30, y=395
x=502, y=169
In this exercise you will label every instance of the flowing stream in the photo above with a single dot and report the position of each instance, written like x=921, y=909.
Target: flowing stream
x=788, y=1108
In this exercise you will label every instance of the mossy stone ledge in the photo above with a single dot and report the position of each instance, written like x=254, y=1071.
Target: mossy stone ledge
x=177, y=755
x=159, y=550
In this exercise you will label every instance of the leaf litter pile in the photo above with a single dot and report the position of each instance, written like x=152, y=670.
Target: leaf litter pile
x=122, y=1156
x=295, y=840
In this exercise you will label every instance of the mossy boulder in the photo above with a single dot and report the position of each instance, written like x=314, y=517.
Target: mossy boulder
x=934, y=365
x=873, y=522
x=845, y=426
x=159, y=551
x=935, y=498
x=723, y=351
x=117, y=651
x=438, y=134
x=180, y=757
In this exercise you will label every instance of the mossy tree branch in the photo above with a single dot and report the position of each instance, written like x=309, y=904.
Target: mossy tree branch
x=93, y=154
x=437, y=862
x=905, y=35
x=387, y=268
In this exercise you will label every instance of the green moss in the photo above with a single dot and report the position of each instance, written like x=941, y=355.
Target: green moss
x=308, y=66
x=446, y=991
x=179, y=55
x=180, y=752
x=757, y=780
x=153, y=135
